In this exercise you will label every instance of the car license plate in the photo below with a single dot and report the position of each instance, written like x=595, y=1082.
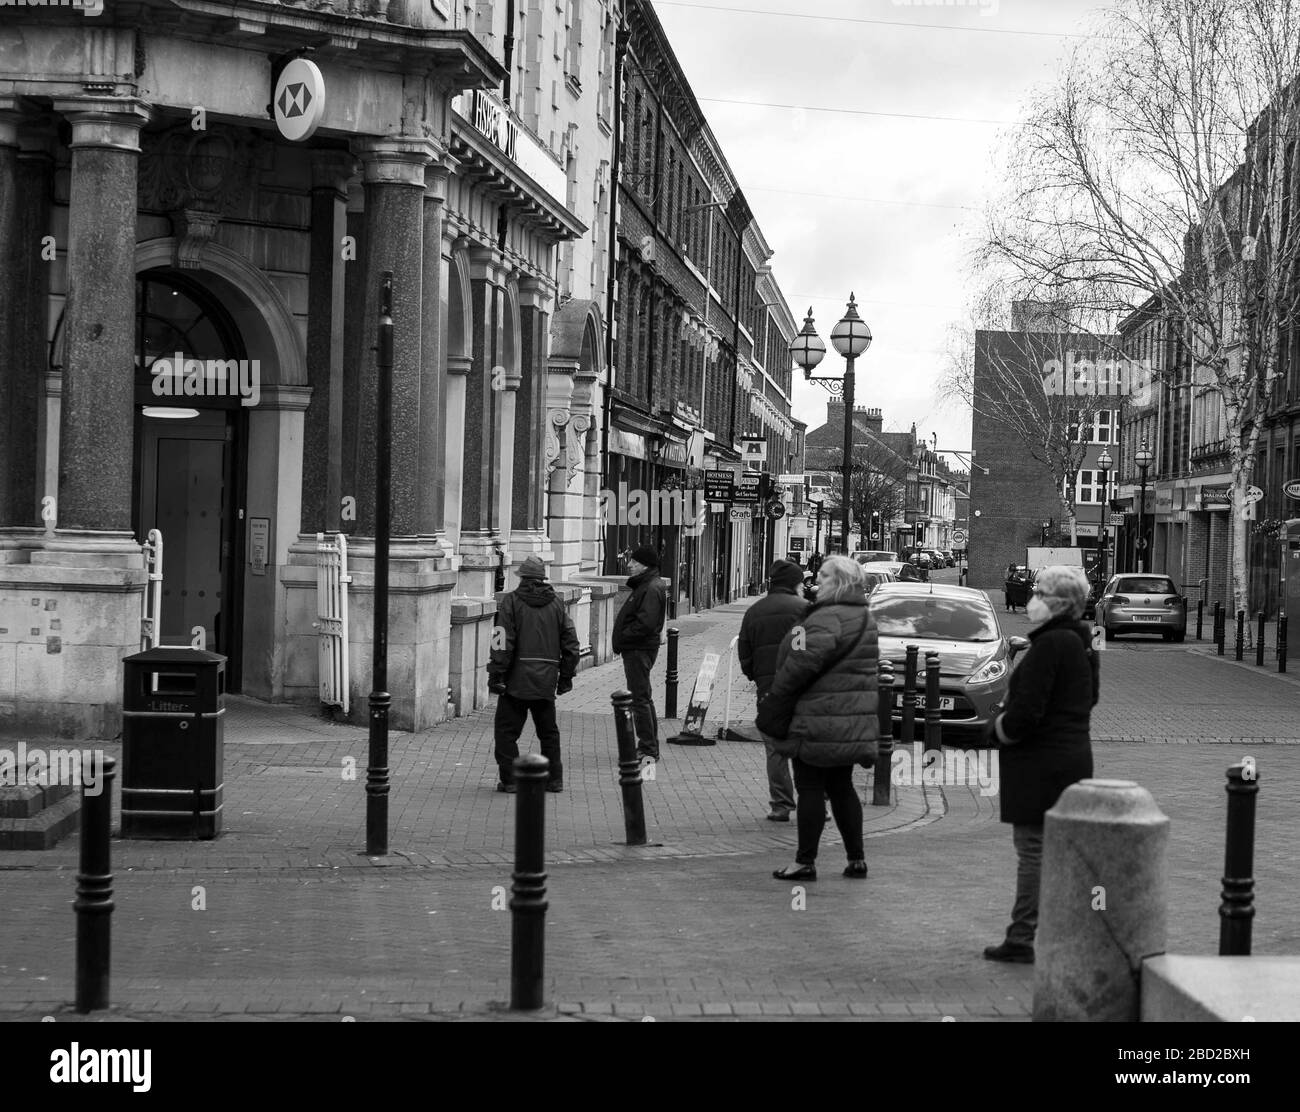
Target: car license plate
x=1146, y=617
x=918, y=701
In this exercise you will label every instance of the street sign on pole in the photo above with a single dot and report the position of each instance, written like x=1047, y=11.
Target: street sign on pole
x=959, y=536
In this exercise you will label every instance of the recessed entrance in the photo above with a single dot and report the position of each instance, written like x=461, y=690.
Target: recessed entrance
x=189, y=473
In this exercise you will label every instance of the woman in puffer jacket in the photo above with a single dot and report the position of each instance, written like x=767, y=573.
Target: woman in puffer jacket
x=829, y=661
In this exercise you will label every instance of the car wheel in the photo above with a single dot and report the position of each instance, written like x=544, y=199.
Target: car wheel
x=1166, y=637
x=1180, y=636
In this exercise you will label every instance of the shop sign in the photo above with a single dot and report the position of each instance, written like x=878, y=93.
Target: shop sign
x=1292, y=489
x=674, y=453
x=299, y=100
x=747, y=489
x=1216, y=495
x=719, y=486
x=626, y=443
x=740, y=513
x=753, y=451
x=797, y=544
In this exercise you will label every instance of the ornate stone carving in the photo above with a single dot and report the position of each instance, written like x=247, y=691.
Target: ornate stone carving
x=210, y=170
x=556, y=421
x=579, y=423
x=200, y=227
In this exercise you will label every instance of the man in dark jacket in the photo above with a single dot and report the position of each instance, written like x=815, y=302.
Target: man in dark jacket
x=636, y=638
x=534, y=657
x=761, y=631
x=1044, y=736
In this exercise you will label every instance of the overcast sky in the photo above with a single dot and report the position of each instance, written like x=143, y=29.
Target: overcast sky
x=876, y=197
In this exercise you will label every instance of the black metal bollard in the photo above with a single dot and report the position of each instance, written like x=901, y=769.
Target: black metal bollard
x=908, y=732
x=1281, y=642
x=670, y=684
x=933, y=722
x=1241, y=633
x=1200, y=609
x=885, y=726
x=1259, y=643
x=528, y=891
x=629, y=769
x=94, y=902
x=1237, y=911
x=1220, y=622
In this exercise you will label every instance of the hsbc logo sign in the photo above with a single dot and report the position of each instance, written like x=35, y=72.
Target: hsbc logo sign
x=299, y=100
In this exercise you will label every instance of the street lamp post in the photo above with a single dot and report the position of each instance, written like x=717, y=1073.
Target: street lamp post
x=817, y=544
x=1042, y=532
x=1143, y=458
x=851, y=337
x=1104, y=464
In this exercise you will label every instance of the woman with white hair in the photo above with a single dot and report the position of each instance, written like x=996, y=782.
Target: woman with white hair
x=1044, y=735
x=826, y=667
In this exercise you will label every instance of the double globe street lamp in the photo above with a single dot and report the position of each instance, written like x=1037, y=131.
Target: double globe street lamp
x=850, y=337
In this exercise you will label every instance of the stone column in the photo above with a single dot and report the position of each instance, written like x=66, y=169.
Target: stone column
x=481, y=544
x=433, y=457
x=534, y=430
x=96, y=436
x=10, y=368
x=323, y=422
x=458, y=368
x=394, y=241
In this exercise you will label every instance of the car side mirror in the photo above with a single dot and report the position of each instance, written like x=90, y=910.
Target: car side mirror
x=1018, y=645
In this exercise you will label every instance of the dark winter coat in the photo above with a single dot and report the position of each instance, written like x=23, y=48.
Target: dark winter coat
x=1048, y=714
x=761, y=630
x=835, y=719
x=534, y=642
x=640, y=620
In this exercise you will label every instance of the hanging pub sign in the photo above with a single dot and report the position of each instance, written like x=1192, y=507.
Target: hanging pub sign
x=692, y=732
x=753, y=449
x=747, y=489
x=719, y=486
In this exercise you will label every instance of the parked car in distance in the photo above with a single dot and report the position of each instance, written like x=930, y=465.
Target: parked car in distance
x=876, y=573
x=1142, y=604
x=1017, y=585
x=873, y=555
x=948, y=556
x=975, y=657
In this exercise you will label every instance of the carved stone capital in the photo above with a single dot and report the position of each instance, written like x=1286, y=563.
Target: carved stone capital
x=579, y=426
x=199, y=226
x=556, y=420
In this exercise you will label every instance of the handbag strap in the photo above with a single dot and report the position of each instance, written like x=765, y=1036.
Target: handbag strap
x=844, y=655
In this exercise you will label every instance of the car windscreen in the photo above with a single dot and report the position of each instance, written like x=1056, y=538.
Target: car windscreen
x=1146, y=585
x=929, y=616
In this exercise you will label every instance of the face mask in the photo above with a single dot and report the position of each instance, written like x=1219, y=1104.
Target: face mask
x=1038, y=610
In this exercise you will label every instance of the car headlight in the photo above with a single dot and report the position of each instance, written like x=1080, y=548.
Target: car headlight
x=993, y=670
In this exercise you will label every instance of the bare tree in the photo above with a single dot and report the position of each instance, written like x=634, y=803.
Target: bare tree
x=878, y=483
x=1164, y=164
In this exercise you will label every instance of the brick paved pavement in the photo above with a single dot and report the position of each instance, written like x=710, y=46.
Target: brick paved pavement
x=298, y=924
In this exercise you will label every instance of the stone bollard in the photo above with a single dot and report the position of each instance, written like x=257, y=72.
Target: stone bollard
x=1102, y=902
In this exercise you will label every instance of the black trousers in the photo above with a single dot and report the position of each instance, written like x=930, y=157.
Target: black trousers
x=815, y=785
x=511, y=715
x=636, y=669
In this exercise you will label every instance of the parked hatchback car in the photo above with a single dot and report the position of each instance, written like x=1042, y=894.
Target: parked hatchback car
x=873, y=555
x=960, y=624
x=1142, y=604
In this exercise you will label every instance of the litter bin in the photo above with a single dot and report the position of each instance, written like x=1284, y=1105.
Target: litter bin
x=172, y=719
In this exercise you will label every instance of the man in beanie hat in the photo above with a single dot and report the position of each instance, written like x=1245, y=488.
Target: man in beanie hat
x=534, y=657
x=636, y=638
x=761, y=632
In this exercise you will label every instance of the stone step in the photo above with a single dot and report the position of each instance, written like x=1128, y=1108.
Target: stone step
x=28, y=801
x=43, y=829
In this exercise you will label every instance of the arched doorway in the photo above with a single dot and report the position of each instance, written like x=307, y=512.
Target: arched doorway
x=191, y=378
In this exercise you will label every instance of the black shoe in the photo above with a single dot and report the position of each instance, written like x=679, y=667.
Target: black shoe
x=1010, y=951
x=796, y=872
x=555, y=785
x=779, y=816
x=507, y=786
x=856, y=869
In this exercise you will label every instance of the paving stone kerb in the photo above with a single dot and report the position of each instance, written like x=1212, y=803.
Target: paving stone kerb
x=1103, y=901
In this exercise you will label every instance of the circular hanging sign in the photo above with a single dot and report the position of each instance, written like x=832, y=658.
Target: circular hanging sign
x=1292, y=489
x=299, y=100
